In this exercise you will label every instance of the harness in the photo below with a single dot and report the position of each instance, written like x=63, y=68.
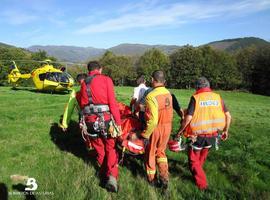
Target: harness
x=177, y=144
x=92, y=109
x=216, y=144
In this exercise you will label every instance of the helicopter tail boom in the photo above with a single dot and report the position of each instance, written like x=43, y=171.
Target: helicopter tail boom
x=15, y=74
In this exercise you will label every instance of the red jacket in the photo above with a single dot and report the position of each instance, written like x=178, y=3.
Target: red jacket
x=102, y=91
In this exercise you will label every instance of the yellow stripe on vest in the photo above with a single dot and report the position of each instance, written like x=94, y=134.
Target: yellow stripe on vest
x=209, y=130
x=206, y=122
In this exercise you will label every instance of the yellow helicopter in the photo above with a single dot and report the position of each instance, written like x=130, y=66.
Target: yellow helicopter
x=45, y=78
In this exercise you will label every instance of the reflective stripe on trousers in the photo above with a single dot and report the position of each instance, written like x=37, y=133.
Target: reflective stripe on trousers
x=151, y=172
x=160, y=160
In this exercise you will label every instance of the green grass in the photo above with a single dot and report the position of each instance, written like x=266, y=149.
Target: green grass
x=31, y=144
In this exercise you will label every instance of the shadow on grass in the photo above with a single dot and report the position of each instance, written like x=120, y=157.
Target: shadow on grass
x=21, y=188
x=134, y=164
x=177, y=168
x=30, y=89
x=3, y=191
x=71, y=141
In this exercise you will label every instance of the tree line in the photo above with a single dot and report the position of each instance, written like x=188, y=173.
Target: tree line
x=245, y=69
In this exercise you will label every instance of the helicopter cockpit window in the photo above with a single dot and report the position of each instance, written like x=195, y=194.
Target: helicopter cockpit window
x=64, y=78
x=42, y=76
x=57, y=77
x=67, y=74
x=53, y=76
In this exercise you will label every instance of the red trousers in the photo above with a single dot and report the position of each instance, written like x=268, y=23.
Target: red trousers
x=196, y=160
x=106, y=156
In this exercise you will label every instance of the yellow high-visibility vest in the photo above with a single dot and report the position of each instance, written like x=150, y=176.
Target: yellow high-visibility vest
x=208, y=115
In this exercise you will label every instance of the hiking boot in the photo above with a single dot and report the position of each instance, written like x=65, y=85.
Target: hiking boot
x=102, y=181
x=164, y=184
x=111, y=184
x=154, y=183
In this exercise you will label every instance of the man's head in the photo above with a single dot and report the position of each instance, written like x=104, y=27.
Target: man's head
x=141, y=80
x=81, y=77
x=202, y=82
x=92, y=65
x=158, y=78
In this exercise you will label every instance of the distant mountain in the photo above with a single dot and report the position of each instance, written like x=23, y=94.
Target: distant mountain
x=69, y=53
x=238, y=43
x=5, y=45
x=80, y=54
x=139, y=49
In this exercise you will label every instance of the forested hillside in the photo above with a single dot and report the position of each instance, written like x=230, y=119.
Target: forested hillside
x=247, y=68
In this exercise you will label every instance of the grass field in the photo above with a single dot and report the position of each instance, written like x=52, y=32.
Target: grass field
x=31, y=144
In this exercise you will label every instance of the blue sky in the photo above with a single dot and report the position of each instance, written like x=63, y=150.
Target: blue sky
x=104, y=23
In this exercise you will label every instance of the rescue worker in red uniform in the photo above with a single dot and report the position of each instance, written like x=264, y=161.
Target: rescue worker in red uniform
x=207, y=115
x=97, y=100
x=159, y=114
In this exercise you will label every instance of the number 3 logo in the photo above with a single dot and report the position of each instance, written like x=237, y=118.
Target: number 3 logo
x=31, y=182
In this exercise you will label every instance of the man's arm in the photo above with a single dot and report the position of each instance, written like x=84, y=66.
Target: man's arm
x=152, y=112
x=188, y=118
x=134, y=99
x=177, y=107
x=184, y=124
x=228, y=118
x=132, y=102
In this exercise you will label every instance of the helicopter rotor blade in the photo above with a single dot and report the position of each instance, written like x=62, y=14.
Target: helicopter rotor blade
x=39, y=61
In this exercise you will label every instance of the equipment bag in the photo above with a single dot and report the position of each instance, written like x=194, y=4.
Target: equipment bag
x=113, y=128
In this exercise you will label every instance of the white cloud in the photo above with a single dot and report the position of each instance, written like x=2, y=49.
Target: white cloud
x=95, y=14
x=18, y=17
x=138, y=5
x=152, y=14
x=17, y=12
